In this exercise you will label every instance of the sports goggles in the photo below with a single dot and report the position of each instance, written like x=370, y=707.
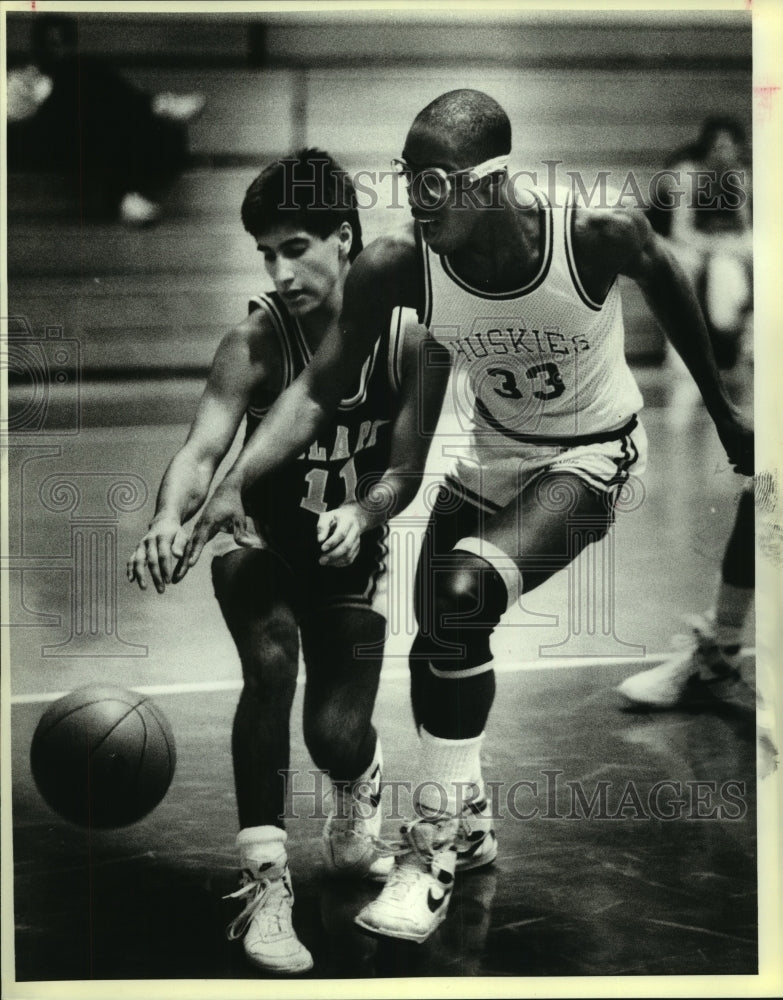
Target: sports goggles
x=431, y=187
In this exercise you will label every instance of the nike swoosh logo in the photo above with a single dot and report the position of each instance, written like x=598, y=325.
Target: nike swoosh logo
x=434, y=903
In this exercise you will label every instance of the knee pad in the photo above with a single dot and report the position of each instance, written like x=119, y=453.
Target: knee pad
x=459, y=607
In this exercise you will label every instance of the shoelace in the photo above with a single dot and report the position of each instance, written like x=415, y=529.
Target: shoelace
x=406, y=845
x=258, y=890
x=345, y=813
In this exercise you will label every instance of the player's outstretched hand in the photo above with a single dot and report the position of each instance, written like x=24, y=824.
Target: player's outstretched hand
x=736, y=434
x=223, y=512
x=160, y=551
x=339, y=533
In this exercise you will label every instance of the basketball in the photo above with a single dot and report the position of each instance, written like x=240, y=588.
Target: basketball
x=103, y=756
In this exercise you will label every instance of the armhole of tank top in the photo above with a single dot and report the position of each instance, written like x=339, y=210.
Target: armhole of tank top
x=278, y=320
x=424, y=280
x=569, y=221
x=397, y=329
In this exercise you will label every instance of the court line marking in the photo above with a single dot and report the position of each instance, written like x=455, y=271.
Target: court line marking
x=388, y=673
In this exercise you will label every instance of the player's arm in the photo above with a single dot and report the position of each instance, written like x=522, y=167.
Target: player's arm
x=187, y=479
x=424, y=375
x=623, y=242
x=375, y=284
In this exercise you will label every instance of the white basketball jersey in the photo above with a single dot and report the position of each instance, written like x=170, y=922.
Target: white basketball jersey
x=545, y=363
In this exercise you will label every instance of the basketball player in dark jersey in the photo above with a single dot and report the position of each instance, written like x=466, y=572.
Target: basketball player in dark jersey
x=312, y=562
x=547, y=416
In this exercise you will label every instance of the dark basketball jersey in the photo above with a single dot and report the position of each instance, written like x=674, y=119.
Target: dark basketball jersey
x=350, y=454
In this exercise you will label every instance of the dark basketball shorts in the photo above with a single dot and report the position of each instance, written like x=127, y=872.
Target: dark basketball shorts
x=321, y=588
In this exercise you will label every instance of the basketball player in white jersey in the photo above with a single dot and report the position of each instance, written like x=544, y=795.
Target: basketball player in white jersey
x=524, y=294
x=274, y=594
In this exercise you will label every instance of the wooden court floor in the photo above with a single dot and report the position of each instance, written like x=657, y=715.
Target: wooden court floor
x=626, y=890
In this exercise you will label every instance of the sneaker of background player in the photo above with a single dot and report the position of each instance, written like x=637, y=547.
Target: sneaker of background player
x=353, y=827
x=415, y=899
x=136, y=210
x=181, y=108
x=477, y=843
x=265, y=924
x=707, y=670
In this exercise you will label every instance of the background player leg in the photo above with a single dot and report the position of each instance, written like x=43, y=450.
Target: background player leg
x=254, y=591
x=342, y=684
x=711, y=667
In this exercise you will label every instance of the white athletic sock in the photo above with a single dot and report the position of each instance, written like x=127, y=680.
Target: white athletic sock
x=448, y=771
x=262, y=848
x=731, y=613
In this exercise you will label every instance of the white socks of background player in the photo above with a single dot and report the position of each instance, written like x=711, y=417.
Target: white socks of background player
x=449, y=774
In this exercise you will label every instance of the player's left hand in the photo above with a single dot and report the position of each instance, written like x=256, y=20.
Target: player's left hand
x=160, y=551
x=339, y=533
x=736, y=435
x=223, y=512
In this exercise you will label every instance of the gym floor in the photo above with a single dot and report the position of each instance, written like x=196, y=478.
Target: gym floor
x=636, y=889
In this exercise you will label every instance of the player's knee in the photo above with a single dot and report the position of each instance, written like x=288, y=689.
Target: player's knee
x=269, y=650
x=333, y=736
x=460, y=605
x=466, y=588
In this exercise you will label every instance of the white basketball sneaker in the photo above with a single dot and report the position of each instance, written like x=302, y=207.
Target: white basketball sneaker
x=707, y=669
x=477, y=843
x=265, y=924
x=415, y=899
x=353, y=827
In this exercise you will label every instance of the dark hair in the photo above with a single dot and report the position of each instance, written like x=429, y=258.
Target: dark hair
x=308, y=189
x=474, y=119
